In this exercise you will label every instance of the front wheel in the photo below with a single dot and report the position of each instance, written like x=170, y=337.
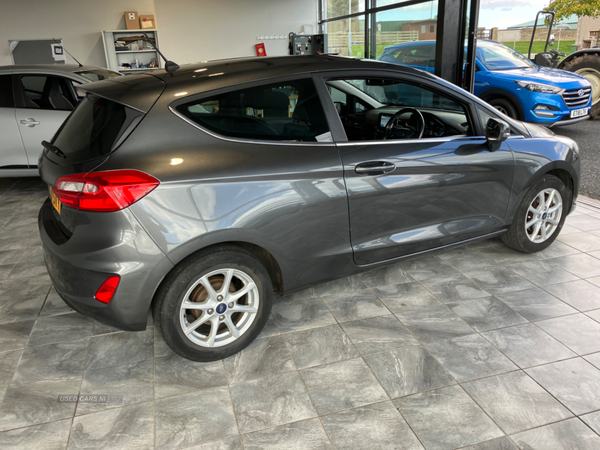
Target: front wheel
x=214, y=305
x=505, y=107
x=540, y=216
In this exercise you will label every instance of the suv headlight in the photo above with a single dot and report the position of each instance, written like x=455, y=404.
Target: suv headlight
x=538, y=87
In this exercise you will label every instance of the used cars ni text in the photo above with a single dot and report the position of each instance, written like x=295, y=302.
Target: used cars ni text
x=202, y=193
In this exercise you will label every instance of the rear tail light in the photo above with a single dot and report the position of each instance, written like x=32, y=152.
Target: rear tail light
x=106, y=292
x=104, y=191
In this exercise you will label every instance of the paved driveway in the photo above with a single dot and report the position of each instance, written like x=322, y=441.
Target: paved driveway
x=587, y=135
x=478, y=345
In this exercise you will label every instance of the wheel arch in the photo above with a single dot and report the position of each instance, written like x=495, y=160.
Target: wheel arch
x=261, y=254
x=493, y=93
x=559, y=169
x=585, y=52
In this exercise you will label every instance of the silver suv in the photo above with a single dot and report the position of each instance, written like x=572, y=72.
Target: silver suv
x=34, y=101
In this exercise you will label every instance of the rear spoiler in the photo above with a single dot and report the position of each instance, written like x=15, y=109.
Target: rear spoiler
x=139, y=91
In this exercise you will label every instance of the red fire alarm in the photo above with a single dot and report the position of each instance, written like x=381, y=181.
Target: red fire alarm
x=260, y=49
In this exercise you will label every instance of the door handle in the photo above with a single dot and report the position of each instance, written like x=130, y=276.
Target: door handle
x=374, y=168
x=30, y=122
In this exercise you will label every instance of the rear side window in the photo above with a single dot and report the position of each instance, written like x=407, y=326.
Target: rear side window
x=286, y=111
x=6, y=92
x=94, y=127
x=47, y=92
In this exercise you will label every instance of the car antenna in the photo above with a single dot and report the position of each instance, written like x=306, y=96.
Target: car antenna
x=63, y=46
x=170, y=66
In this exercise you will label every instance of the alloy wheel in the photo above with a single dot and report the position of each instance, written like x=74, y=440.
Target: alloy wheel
x=219, y=307
x=543, y=215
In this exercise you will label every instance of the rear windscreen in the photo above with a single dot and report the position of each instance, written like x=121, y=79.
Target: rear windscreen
x=93, y=128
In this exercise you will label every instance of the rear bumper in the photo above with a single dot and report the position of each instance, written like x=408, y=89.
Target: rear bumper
x=102, y=245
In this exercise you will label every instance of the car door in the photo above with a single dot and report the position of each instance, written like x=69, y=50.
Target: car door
x=410, y=195
x=43, y=103
x=12, y=153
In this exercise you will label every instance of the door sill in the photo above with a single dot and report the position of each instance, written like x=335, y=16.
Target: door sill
x=432, y=250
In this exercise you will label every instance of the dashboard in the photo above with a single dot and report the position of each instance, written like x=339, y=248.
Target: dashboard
x=370, y=124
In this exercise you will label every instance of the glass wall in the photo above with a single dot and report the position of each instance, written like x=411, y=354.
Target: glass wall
x=346, y=36
x=405, y=24
x=365, y=28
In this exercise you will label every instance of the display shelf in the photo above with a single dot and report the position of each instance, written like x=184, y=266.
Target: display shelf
x=115, y=59
x=133, y=51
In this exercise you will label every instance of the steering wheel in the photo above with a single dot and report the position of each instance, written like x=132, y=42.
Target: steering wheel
x=556, y=52
x=408, y=131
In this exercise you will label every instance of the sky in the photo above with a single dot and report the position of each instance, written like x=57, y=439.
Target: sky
x=506, y=13
x=492, y=13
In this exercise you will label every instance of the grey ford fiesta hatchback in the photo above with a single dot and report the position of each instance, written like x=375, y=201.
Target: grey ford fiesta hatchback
x=201, y=193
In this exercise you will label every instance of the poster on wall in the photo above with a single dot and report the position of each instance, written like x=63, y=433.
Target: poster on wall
x=37, y=51
x=58, y=53
x=260, y=49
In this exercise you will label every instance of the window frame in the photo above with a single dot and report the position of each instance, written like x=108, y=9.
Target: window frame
x=414, y=79
x=20, y=94
x=12, y=88
x=248, y=85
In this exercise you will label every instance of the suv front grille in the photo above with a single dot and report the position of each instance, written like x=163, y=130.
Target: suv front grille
x=574, y=99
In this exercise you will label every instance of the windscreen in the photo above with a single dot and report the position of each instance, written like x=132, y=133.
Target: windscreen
x=500, y=57
x=93, y=128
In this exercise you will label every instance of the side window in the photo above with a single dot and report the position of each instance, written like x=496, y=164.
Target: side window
x=484, y=116
x=286, y=111
x=6, y=92
x=47, y=92
x=442, y=115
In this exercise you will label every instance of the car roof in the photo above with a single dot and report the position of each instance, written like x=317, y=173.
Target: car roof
x=60, y=68
x=209, y=75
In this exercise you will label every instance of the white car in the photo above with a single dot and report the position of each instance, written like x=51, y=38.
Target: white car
x=34, y=102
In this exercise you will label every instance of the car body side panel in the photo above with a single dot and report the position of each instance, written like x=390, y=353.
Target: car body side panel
x=268, y=194
x=530, y=166
x=438, y=194
x=12, y=152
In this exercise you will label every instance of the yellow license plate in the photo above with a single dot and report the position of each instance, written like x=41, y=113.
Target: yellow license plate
x=55, y=201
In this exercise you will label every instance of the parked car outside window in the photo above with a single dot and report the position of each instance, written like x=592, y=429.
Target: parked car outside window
x=511, y=83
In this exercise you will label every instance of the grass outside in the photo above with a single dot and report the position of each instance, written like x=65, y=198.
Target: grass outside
x=521, y=47
x=538, y=46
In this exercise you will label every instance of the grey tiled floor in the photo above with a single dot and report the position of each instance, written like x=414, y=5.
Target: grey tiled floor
x=479, y=347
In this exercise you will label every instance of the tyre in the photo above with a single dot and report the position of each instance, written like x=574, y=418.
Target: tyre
x=589, y=67
x=505, y=106
x=539, y=217
x=213, y=305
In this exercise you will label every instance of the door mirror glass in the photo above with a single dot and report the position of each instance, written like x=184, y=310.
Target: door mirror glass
x=496, y=132
x=551, y=40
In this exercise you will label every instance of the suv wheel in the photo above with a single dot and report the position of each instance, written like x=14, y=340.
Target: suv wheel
x=214, y=305
x=505, y=107
x=540, y=217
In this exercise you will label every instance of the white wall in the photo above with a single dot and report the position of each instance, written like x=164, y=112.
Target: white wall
x=193, y=30
x=78, y=22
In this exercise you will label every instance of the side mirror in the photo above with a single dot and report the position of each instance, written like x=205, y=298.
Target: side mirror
x=551, y=40
x=496, y=132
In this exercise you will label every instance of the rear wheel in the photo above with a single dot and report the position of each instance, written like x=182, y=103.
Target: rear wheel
x=589, y=67
x=214, y=305
x=540, y=216
x=505, y=107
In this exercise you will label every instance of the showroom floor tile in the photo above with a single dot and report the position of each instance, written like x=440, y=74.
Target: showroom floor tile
x=479, y=347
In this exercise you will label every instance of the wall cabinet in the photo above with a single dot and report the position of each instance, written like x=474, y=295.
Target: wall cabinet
x=126, y=54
